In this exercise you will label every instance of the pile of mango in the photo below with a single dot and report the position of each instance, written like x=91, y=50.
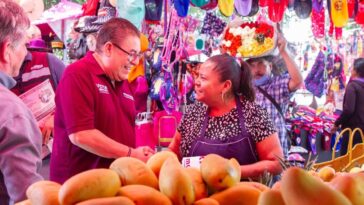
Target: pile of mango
x=163, y=181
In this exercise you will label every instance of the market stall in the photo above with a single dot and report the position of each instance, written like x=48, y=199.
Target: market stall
x=177, y=37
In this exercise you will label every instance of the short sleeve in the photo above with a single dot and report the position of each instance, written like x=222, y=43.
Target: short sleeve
x=187, y=118
x=279, y=88
x=258, y=122
x=74, y=95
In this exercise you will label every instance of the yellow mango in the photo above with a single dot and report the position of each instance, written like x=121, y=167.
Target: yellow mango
x=198, y=183
x=271, y=197
x=352, y=186
x=355, y=170
x=25, y=202
x=91, y=184
x=257, y=185
x=206, y=201
x=43, y=193
x=277, y=185
x=326, y=173
x=175, y=183
x=238, y=195
x=156, y=161
x=144, y=195
x=117, y=200
x=134, y=171
x=220, y=173
x=300, y=188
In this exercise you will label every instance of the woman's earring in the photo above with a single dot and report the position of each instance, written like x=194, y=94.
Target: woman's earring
x=223, y=96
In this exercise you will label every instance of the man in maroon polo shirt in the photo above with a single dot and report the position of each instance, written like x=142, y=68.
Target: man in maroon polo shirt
x=95, y=111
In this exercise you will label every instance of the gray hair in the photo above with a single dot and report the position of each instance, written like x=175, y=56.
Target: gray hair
x=13, y=22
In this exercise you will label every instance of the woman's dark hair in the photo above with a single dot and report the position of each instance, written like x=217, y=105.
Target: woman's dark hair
x=228, y=68
x=359, y=67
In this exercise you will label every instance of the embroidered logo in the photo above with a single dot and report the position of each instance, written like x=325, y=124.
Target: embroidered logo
x=128, y=96
x=102, y=88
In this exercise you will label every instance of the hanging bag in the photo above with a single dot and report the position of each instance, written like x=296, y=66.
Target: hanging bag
x=165, y=126
x=144, y=130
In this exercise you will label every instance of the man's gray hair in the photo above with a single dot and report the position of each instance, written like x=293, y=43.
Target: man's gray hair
x=13, y=22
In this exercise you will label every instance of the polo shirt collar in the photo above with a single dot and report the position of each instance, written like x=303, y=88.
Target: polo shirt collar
x=6, y=80
x=96, y=69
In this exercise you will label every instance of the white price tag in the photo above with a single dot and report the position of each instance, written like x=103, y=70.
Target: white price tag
x=192, y=162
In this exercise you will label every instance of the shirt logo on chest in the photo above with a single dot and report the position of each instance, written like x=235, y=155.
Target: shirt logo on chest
x=102, y=88
x=128, y=96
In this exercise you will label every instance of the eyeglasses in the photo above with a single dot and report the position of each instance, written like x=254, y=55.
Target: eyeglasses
x=133, y=55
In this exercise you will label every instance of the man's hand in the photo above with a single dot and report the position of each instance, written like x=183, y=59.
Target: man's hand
x=143, y=153
x=47, y=129
x=281, y=43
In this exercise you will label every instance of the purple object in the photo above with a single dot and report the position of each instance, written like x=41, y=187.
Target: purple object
x=181, y=7
x=37, y=44
x=243, y=7
x=317, y=5
x=240, y=147
x=314, y=81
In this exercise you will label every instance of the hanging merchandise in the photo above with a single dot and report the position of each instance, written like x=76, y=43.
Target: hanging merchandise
x=165, y=126
x=339, y=12
x=168, y=94
x=138, y=70
x=156, y=86
x=199, y=3
x=335, y=31
x=352, y=8
x=181, y=7
x=85, y=25
x=335, y=71
x=57, y=48
x=140, y=90
x=305, y=58
x=263, y=3
x=104, y=14
x=360, y=15
x=303, y=8
x=226, y=7
x=255, y=8
x=153, y=10
x=243, y=7
x=290, y=5
x=212, y=25
x=77, y=48
x=276, y=9
x=90, y=8
x=132, y=10
x=317, y=5
x=314, y=81
x=211, y=5
x=318, y=19
x=143, y=130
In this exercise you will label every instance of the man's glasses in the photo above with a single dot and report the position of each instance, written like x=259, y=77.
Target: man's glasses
x=133, y=55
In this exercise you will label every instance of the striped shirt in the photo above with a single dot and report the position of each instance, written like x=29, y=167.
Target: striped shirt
x=277, y=87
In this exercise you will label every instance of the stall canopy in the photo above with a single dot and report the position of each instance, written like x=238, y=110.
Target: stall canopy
x=53, y=20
